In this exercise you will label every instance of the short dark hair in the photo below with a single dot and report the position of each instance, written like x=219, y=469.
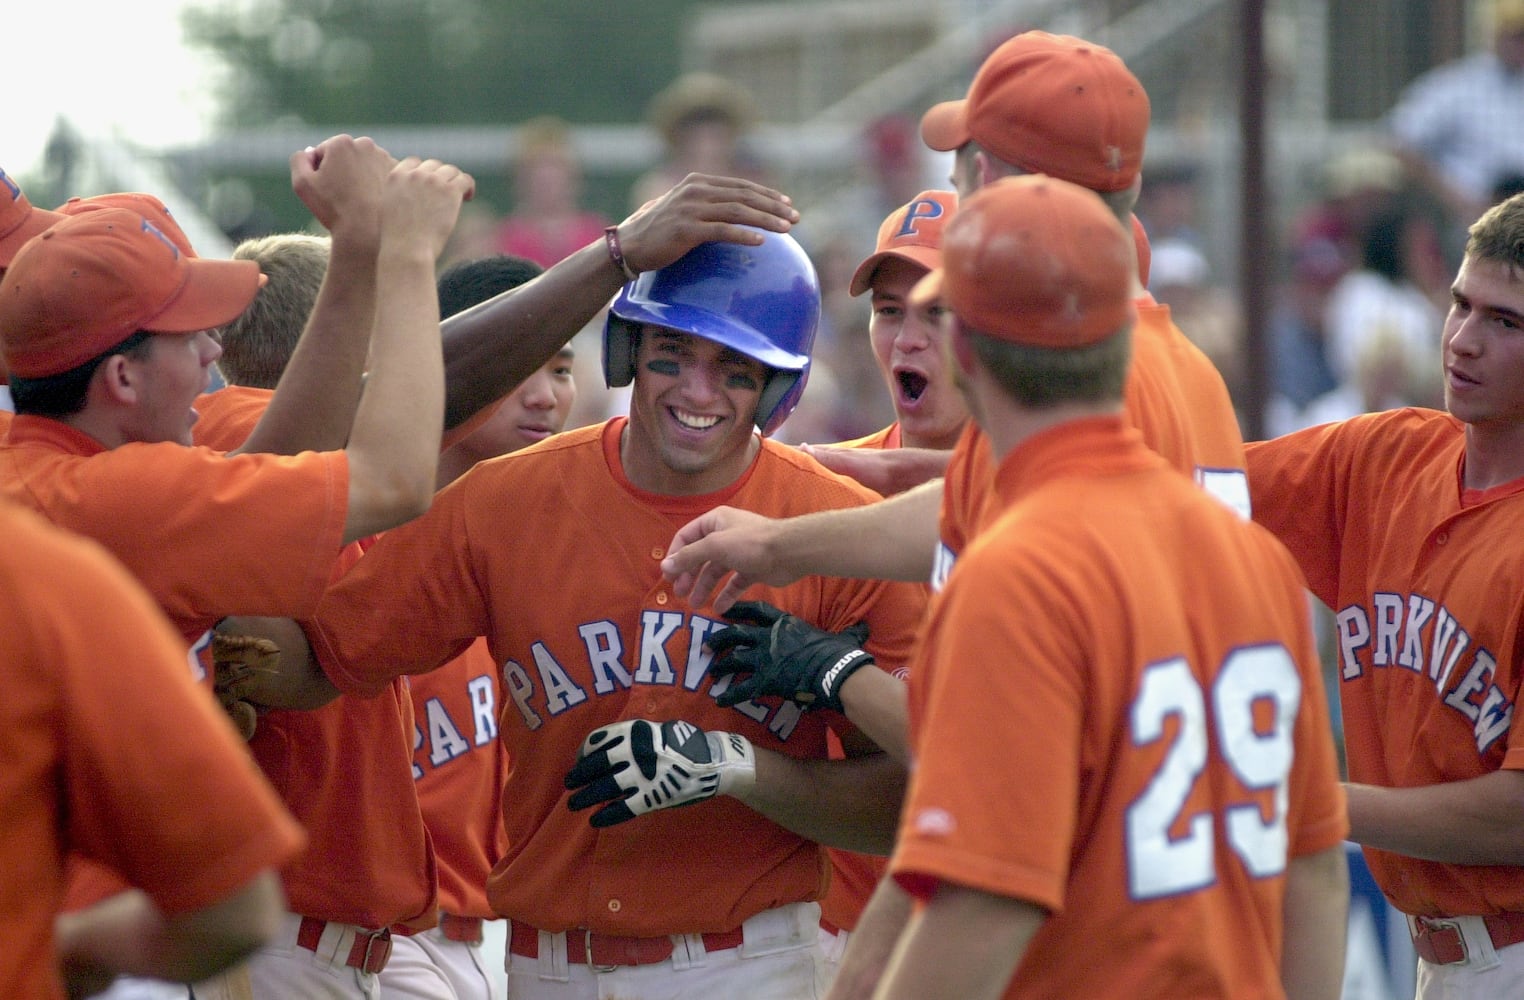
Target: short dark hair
x=1043, y=377
x=469, y=282
x=64, y=394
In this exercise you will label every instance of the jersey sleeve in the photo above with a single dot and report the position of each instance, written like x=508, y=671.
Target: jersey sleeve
x=999, y=697
x=425, y=567
x=212, y=534
x=1298, y=488
x=157, y=785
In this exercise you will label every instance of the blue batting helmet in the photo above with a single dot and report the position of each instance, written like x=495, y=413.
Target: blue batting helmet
x=763, y=301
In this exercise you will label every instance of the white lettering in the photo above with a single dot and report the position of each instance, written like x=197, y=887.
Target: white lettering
x=656, y=627
x=483, y=709
x=1387, y=612
x=1492, y=722
x=1450, y=640
x=1475, y=680
x=699, y=655
x=445, y=741
x=604, y=648
x=561, y=692
x=1354, y=630
x=519, y=687
x=1420, y=610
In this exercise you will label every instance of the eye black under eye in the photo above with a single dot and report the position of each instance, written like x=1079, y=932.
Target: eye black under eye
x=661, y=366
x=741, y=382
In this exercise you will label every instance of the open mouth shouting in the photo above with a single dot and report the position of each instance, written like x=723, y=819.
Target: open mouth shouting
x=912, y=386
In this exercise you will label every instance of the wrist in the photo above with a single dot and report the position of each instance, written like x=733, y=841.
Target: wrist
x=842, y=670
x=616, y=253
x=735, y=762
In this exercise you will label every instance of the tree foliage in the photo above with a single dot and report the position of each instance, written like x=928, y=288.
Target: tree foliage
x=438, y=61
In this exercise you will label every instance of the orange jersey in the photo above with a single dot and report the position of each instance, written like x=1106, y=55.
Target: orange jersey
x=1164, y=709
x=854, y=876
x=92, y=674
x=225, y=418
x=1173, y=395
x=889, y=437
x=208, y=535
x=459, y=764
x=368, y=861
x=555, y=557
x=1423, y=579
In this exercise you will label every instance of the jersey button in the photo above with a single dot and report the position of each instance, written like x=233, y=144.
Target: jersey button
x=658, y=553
x=1441, y=538
x=662, y=598
x=615, y=906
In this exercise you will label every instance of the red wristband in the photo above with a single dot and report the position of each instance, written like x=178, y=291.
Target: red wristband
x=611, y=239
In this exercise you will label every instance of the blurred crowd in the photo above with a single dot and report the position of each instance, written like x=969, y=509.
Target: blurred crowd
x=1362, y=271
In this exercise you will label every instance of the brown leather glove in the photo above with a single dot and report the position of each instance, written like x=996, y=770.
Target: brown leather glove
x=236, y=657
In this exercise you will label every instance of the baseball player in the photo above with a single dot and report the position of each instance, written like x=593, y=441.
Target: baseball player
x=1041, y=103
x=553, y=553
x=930, y=414
x=98, y=444
x=1182, y=836
x=92, y=769
x=458, y=761
x=340, y=902
x=1403, y=522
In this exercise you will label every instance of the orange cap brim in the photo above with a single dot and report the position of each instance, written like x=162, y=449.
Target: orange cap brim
x=862, y=278
x=945, y=126
x=215, y=293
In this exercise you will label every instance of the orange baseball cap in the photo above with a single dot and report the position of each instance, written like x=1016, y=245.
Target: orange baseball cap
x=912, y=232
x=94, y=279
x=146, y=205
x=1036, y=260
x=1051, y=104
x=19, y=219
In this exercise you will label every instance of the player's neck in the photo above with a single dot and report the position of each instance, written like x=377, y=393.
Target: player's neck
x=1494, y=455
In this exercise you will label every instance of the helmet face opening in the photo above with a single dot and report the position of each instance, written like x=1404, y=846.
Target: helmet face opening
x=762, y=301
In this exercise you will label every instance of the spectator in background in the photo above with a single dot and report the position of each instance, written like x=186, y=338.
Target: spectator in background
x=1168, y=204
x=1459, y=128
x=1358, y=185
x=548, y=223
x=1383, y=295
x=1300, y=371
x=703, y=120
x=1180, y=277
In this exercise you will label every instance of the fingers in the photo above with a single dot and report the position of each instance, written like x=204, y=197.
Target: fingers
x=730, y=594
x=722, y=641
x=597, y=792
x=754, y=613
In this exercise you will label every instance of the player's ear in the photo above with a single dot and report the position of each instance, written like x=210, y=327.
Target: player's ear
x=116, y=380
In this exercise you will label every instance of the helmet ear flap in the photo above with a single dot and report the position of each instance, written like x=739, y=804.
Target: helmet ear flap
x=779, y=397
x=620, y=337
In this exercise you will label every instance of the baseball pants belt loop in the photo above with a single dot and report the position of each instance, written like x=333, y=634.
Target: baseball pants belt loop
x=467, y=930
x=355, y=947
x=608, y=951
x=1454, y=940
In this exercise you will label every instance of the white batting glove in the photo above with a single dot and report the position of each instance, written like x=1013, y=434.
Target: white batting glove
x=636, y=767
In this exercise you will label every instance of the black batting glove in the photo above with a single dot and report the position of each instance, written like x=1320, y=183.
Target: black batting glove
x=770, y=652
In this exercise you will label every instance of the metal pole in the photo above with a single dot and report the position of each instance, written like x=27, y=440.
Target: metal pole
x=1256, y=238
